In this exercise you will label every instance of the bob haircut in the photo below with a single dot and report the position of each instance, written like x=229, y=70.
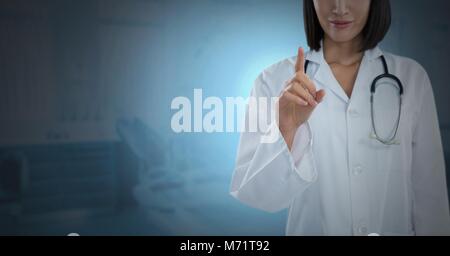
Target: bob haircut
x=377, y=25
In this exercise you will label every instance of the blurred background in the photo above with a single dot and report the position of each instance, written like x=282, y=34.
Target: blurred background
x=85, y=93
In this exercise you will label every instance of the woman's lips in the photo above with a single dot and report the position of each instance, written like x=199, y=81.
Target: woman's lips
x=340, y=24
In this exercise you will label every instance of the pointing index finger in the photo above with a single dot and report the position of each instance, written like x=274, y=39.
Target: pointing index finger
x=300, y=60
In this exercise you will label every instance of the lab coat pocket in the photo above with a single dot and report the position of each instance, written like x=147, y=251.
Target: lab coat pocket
x=387, y=157
x=395, y=155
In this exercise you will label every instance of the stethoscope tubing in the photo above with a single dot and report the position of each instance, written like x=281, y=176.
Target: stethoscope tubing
x=386, y=74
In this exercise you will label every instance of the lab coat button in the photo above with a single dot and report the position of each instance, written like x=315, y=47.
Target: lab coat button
x=352, y=112
x=362, y=230
x=357, y=170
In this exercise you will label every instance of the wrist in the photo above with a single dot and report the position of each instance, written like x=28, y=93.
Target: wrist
x=288, y=136
x=289, y=130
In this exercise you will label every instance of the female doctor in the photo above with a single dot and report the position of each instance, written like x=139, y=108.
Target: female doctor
x=355, y=155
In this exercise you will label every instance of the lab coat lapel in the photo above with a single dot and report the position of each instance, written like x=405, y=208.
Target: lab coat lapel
x=324, y=75
x=370, y=68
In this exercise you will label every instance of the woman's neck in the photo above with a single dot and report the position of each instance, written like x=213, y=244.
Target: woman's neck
x=346, y=53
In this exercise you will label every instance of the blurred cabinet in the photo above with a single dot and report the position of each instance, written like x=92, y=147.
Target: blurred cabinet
x=62, y=182
x=49, y=75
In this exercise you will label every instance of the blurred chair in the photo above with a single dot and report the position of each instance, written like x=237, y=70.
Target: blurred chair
x=157, y=182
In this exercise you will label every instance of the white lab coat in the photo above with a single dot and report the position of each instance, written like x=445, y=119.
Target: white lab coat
x=337, y=180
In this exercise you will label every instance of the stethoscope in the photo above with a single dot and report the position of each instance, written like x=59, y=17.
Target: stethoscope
x=396, y=81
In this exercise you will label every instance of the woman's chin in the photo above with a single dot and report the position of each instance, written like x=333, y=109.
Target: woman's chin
x=342, y=37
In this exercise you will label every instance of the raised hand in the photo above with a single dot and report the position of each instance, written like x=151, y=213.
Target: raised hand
x=297, y=101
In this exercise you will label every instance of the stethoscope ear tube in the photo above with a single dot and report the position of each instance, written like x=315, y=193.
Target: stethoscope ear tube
x=386, y=75
x=389, y=76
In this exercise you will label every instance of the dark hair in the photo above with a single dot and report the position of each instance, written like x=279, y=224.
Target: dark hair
x=377, y=25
